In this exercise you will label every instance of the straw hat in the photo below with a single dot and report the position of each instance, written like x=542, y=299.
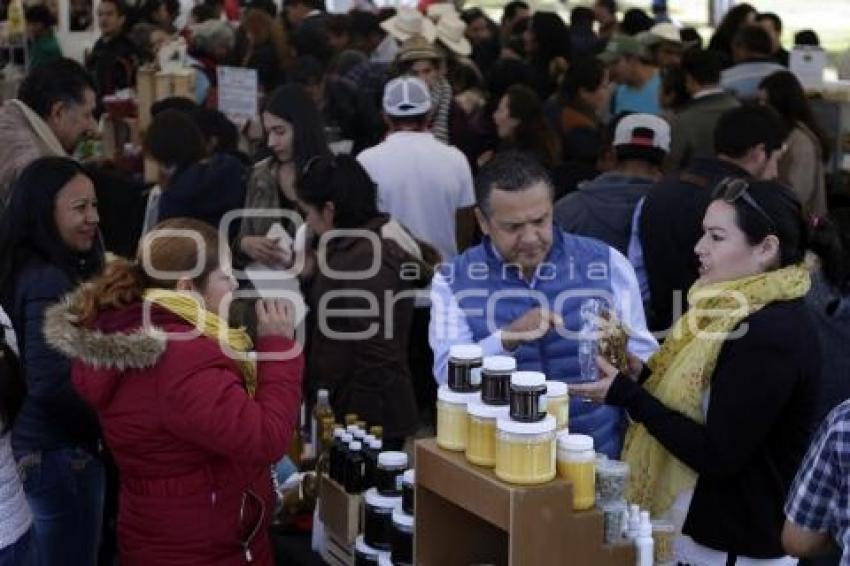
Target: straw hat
x=450, y=31
x=409, y=22
x=417, y=48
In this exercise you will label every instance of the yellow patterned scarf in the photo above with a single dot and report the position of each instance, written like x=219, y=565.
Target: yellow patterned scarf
x=212, y=326
x=682, y=369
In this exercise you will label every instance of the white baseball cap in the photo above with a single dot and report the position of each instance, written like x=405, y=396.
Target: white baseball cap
x=406, y=96
x=643, y=130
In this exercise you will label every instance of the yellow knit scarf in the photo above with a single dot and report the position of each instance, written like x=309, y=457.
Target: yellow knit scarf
x=212, y=326
x=682, y=369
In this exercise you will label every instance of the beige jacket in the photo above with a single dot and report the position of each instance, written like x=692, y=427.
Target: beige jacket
x=802, y=169
x=25, y=137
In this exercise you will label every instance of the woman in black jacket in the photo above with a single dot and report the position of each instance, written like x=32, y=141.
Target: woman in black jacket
x=49, y=243
x=723, y=412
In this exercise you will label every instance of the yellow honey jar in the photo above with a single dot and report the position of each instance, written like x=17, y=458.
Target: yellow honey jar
x=481, y=438
x=577, y=464
x=525, y=452
x=452, y=420
x=558, y=403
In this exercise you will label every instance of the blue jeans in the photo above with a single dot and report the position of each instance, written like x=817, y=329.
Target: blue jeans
x=65, y=490
x=18, y=553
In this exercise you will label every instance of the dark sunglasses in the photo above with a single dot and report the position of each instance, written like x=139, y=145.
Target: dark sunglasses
x=732, y=189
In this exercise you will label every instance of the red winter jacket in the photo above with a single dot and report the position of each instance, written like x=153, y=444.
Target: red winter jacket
x=193, y=450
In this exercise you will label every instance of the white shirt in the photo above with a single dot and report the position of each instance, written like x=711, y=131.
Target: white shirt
x=421, y=183
x=448, y=324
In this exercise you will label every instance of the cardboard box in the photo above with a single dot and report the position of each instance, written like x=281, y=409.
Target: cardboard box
x=466, y=515
x=339, y=511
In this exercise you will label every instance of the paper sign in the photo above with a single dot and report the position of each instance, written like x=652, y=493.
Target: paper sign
x=808, y=64
x=237, y=92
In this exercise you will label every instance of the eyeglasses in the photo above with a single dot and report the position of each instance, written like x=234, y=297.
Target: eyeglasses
x=732, y=189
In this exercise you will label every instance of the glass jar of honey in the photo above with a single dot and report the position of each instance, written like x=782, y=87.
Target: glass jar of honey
x=526, y=396
x=577, y=464
x=481, y=437
x=452, y=420
x=525, y=452
x=464, y=370
x=558, y=403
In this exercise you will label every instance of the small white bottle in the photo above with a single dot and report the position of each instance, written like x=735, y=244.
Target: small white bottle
x=644, y=543
x=633, y=524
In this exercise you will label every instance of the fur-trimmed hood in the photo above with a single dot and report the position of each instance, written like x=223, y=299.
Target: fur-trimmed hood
x=120, y=342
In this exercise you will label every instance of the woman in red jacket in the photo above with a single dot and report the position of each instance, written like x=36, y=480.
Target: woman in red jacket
x=193, y=420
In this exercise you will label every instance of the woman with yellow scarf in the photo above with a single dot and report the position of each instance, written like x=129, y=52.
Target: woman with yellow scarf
x=721, y=415
x=193, y=412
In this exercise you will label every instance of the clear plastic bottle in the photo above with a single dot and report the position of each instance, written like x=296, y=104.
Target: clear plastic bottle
x=588, y=346
x=643, y=542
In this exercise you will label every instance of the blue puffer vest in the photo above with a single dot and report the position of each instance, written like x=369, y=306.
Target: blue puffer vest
x=493, y=294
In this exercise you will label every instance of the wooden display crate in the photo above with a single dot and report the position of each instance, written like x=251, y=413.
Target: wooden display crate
x=466, y=515
x=339, y=511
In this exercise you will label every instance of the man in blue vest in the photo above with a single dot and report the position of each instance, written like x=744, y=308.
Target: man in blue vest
x=520, y=291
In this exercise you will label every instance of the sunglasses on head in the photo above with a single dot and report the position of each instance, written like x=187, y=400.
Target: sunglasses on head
x=733, y=189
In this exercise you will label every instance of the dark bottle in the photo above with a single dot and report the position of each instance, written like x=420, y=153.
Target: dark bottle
x=343, y=456
x=336, y=452
x=371, y=455
x=354, y=468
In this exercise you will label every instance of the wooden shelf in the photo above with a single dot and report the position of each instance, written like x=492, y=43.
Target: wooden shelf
x=466, y=515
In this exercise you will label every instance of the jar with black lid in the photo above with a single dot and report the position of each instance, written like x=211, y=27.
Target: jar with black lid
x=378, y=519
x=336, y=455
x=527, y=390
x=364, y=555
x=464, y=370
x=496, y=379
x=388, y=474
x=408, y=491
x=402, y=538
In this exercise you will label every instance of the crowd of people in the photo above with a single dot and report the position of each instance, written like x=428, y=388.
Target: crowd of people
x=424, y=178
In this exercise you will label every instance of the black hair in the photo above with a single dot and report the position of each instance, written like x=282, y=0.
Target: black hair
x=202, y=13
x=790, y=226
x=581, y=17
x=120, y=6
x=586, y=73
x=363, y=24
x=60, y=80
x=39, y=14
x=175, y=140
x=635, y=21
x=741, y=129
x=807, y=37
x=28, y=231
x=509, y=171
x=339, y=24
x=13, y=388
x=471, y=14
x=703, y=66
x=503, y=74
x=729, y=26
x=151, y=7
x=266, y=6
x=216, y=127
x=775, y=20
x=180, y=103
x=552, y=35
x=342, y=181
x=690, y=36
x=610, y=5
x=673, y=88
x=832, y=245
x=292, y=103
x=785, y=94
x=510, y=10
x=307, y=70
x=754, y=39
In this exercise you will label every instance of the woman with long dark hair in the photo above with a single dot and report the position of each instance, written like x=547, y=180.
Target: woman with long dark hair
x=722, y=414
x=49, y=243
x=736, y=18
x=294, y=135
x=801, y=167
x=369, y=376
x=547, y=46
x=521, y=125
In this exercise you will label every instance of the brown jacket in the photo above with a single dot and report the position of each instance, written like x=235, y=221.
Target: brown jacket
x=25, y=137
x=369, y=375
x=801, y=168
